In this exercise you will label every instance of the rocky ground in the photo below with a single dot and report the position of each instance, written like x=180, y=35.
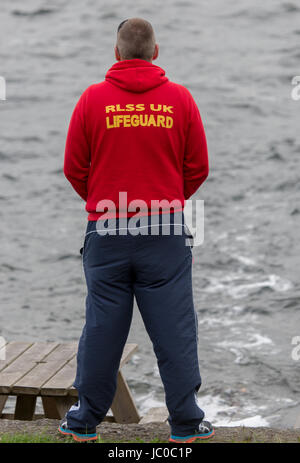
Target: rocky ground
x=112, y=432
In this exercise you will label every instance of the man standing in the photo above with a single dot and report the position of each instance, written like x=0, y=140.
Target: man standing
x=136, y=147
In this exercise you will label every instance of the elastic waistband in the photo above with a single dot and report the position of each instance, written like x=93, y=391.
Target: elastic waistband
x=93, y=216
x=172, y=223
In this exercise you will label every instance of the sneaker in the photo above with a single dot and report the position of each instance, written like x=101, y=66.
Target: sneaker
x=204, y=431
x=80, y=435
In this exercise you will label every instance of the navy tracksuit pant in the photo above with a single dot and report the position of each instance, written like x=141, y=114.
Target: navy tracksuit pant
x=157, y=269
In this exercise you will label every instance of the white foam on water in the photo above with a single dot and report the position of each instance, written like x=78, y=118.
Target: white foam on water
x=135, y=359
x=274, y=282
x=285, y=400
x=242, y=344
x=146, y=402
x=216, y=410
x=237, y=309
x=222, y=236
x=221, y=414
x=254, y=340
x=244, y=260
x=213, y=321
x=253, y=422
x=230, y=285
x=230, y=318
x=243, y=238
x=156, y=373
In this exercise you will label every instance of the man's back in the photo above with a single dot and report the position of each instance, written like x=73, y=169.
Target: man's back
x=138, y=133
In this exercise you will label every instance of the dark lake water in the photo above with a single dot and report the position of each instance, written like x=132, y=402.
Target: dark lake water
x=238, y=60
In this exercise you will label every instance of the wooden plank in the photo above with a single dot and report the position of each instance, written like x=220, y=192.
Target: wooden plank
x=11, y=416
x=123, y=406
x=32, y=382
x=109, y=419
x=128, y=351
x=25, y=407
x=3, y=349
x=56, y=407
x=61, y=383
x=39, y=416
x=13, y=350
x=23, y=364
x=73, y=392
x=3, y=399
x=155, y=415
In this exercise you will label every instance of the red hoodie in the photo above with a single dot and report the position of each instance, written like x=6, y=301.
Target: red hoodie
x=136, y=133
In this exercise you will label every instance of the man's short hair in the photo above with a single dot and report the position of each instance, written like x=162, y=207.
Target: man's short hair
x=135, y=39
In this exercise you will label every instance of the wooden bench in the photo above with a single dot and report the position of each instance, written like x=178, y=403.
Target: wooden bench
x=47, y=370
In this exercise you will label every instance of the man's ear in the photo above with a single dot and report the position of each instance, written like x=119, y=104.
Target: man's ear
x=156, y=51
x=117, y=54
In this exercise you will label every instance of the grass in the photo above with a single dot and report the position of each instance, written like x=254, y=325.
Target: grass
x=48, y=437
x=25, y=438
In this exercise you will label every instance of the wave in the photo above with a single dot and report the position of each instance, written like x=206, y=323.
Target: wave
x=236, y=287
x=290, y=7
x=37, y=12
x=109, y=15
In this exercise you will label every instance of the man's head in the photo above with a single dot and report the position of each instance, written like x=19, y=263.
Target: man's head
x=135, y=39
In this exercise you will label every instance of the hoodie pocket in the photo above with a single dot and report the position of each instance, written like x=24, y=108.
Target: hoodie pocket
x=82, y=250
x=189, y=238
x=89, y=232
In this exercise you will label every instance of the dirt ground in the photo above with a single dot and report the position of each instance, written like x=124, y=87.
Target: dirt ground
x=112, y=432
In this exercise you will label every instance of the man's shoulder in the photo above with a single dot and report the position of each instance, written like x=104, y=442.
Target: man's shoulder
x=92, y=88
x=92, y=93
x=181, y=93
x=180, y=88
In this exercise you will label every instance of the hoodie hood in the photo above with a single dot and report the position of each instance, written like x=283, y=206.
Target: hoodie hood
x=136, y=75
